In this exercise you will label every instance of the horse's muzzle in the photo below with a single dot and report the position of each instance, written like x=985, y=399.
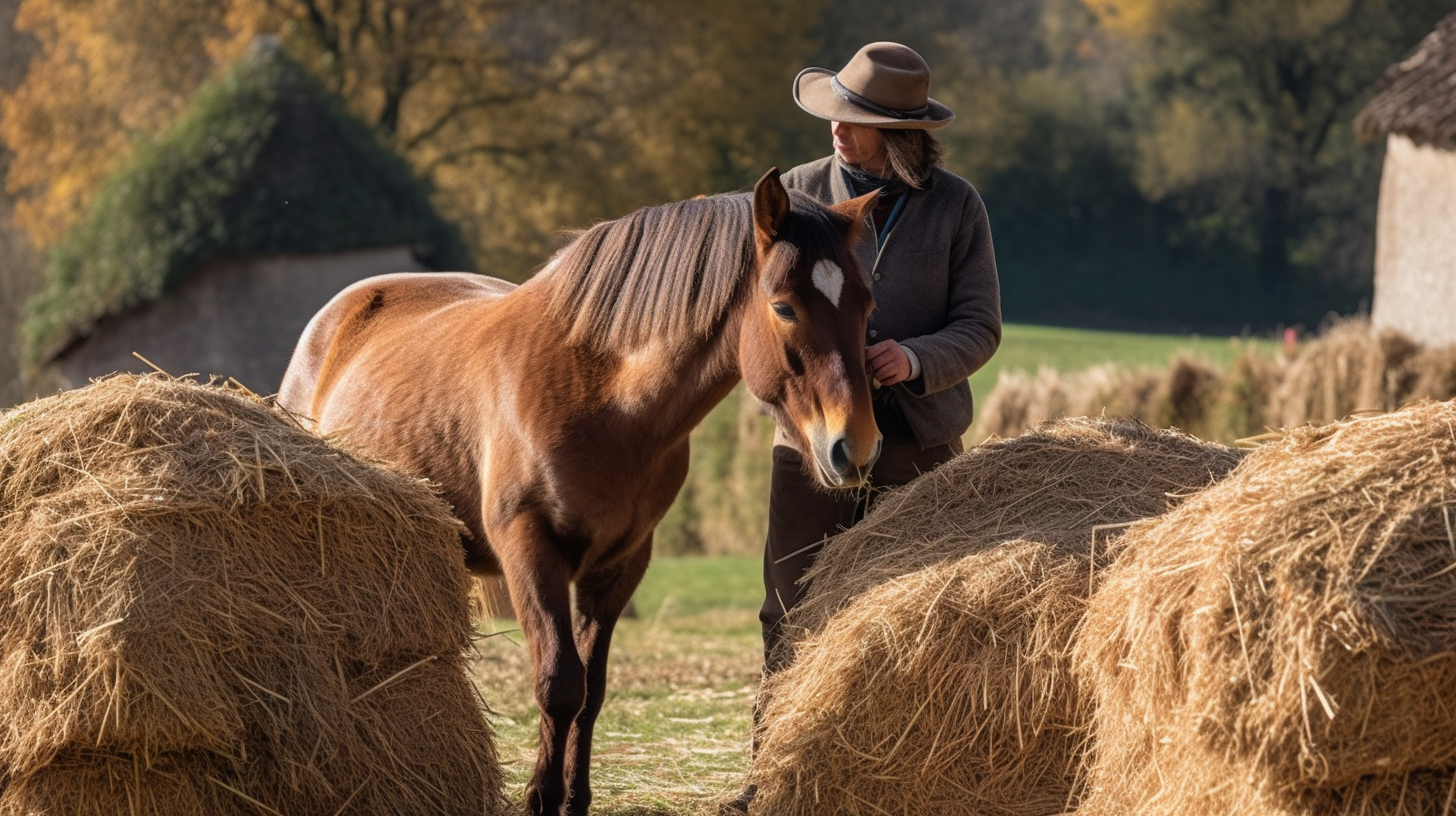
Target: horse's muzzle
x=837, y=465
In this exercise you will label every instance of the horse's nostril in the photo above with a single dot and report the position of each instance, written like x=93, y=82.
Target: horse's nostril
x=839, y=455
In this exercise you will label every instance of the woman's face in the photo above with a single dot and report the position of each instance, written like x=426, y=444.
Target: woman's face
x=859, y=145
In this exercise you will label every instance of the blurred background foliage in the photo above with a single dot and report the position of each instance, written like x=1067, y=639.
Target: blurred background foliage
x=1165, y=164
x=1149, y=164
x=1152, y=165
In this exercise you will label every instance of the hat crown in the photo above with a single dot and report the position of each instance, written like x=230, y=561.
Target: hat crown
x=886, y=85
x=888, y=74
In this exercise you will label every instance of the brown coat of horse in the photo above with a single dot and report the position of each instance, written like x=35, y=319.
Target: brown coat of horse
x=555, y=415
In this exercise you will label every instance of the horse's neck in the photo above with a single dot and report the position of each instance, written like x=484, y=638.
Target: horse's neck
x=665, y=384
x=673, y=384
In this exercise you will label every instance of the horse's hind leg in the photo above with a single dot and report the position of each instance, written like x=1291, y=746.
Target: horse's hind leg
x=539, y=579
x=600, y=599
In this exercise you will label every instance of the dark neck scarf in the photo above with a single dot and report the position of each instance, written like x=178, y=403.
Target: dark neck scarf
x=861, y=182
x=891, y=192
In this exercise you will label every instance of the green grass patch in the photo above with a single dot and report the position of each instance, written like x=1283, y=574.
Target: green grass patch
x=1028, y=348
x=677, y=590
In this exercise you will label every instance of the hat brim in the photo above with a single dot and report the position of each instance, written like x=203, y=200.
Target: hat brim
x=813, y=93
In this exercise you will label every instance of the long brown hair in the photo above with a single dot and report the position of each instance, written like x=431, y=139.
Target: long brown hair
x=910, y=156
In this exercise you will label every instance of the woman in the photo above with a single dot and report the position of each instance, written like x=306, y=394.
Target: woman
x=937, y=316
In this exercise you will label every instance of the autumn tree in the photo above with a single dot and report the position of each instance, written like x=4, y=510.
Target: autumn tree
x=19, y=266
x=97, y=83
x=528, y=115
x=1243, y=113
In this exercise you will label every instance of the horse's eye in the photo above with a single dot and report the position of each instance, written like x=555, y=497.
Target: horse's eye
x=785, y=311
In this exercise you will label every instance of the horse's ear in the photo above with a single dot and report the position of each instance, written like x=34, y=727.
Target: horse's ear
x=855, y=209
x=770, y=207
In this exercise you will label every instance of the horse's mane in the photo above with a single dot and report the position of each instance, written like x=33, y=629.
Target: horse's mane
x=665, y=271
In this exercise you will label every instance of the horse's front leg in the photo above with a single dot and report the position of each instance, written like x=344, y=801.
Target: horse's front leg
x=539, y=579
x=600, y=599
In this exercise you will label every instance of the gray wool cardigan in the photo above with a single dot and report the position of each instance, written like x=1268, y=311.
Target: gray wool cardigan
x=936, y=291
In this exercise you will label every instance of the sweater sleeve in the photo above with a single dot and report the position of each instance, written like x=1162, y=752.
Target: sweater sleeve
x=972, y=331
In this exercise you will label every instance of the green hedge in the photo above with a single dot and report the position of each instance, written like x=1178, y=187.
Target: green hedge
x=264, y=162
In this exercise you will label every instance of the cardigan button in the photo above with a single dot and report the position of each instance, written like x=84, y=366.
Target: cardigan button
x=874, y=333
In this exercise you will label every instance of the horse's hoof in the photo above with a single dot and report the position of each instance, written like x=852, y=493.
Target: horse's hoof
x=536, y=805
x=739, y=806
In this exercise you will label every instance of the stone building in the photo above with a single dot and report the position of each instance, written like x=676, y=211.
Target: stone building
x=1415, y=243
x=209, y=252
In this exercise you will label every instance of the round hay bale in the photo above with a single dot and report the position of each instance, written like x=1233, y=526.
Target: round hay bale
x=1110, y=390
x=1433, y=374
x=1285, y=641
x=196, y=580
x=1241, y=408
x=1060, y=483
x=944, y=691
x=1117, y=392
x=95, y=782
x=1005, y=411
x=1218, y=789
x=931, y=669
x=1048, y=398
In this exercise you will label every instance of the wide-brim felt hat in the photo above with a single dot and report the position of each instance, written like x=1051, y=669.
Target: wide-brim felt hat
x=885, y=85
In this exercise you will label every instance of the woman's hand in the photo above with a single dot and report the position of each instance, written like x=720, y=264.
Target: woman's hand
x=887, y=362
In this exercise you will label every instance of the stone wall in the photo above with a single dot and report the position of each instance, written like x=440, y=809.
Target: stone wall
x=1415, y=244
x=233, y=318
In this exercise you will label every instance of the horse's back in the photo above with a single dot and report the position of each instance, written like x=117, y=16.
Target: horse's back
x=369, y=312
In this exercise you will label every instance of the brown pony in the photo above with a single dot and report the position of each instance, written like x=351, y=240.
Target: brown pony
x=555, y=415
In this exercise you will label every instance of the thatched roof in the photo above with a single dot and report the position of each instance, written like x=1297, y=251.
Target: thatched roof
x=264, y=162
x=1417, y=97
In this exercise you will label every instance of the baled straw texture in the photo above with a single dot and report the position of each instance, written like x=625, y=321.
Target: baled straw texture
x=1183, y=395
x=202, y=591
x=1059, y=483
x=942, y=691
x=1020, y=402
x=1285, y=642
x=931, y=675
x=1351, y=368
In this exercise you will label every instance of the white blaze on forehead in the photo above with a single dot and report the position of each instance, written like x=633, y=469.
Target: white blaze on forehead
x=829, y=279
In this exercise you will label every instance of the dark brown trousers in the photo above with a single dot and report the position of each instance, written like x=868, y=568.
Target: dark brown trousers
x=801, y=515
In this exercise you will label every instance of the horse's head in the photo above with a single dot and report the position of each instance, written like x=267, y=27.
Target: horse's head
x=801, y=348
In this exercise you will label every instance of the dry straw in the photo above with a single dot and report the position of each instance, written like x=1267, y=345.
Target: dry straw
x=1180, y=396
x=211, y=610
x=931, y=675
x=1351, y=368
x=1285, y=642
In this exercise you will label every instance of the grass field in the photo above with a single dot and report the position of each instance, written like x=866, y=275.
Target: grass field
x=1028, y=348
